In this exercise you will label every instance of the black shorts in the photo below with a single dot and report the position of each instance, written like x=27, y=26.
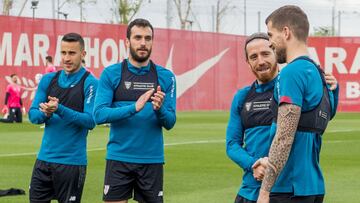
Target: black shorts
x=240, y=199
x=290, y=198
x=56, y=181
x=123, y=179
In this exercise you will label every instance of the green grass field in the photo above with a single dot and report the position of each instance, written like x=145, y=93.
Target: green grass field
x=197, y=169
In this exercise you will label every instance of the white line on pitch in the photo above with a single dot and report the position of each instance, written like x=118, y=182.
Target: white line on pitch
x=169, y=144
x=103, y=148
x=342, y=131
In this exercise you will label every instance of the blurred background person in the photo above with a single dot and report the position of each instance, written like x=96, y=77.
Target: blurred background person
x=49, y=65
x=13, y=102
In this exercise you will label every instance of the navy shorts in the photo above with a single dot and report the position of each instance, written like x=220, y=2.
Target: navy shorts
x=290, y=198
x=56, y=181
x=123, y=179
x=240, y=199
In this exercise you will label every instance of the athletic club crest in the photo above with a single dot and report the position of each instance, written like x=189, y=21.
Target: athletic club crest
x=248, y=106
x=106, y=189
x=127, y=85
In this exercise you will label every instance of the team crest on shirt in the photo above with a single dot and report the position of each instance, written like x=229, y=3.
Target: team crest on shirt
x=127, y=85
x=248, y=106
x=106, y=189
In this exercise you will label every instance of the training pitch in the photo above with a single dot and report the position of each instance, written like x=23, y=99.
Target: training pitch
x=197, y=169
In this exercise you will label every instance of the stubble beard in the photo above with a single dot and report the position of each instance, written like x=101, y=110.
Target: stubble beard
x=281, y=55
x=137, y=58
x=267, y=77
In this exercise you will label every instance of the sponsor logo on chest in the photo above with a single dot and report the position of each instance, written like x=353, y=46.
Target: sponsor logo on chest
x=257, y=106
x=139, y=85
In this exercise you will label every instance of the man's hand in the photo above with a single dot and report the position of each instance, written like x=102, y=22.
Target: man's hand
x=49, y=107
x=264, y=197
x=140, y=103
x=158, y=98
x=43, y=108
x=53, y=103
x=259, y=168
x=5, y=110
x=331, y=80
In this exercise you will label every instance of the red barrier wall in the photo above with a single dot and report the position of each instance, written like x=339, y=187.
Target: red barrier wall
x=209, y=67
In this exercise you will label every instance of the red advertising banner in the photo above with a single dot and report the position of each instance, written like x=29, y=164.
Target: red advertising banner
x=341, y=57
x=209, y=67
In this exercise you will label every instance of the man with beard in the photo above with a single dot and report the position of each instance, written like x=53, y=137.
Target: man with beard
x=63, y=102
x=138, y=99
x=248, y=133
x=303, y=108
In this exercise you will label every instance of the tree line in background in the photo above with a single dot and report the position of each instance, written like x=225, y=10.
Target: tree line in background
x=126, y=10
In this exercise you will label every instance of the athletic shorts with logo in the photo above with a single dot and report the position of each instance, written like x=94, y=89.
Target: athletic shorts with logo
x=123, y=179
x=56, y=181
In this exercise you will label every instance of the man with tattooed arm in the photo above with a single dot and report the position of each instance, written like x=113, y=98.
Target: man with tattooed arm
x=303, y=107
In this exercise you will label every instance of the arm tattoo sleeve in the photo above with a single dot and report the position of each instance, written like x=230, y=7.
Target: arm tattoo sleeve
x=287, y=122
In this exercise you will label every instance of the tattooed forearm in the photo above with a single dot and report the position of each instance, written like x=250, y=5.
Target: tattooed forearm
x=287, y=122
x=269, y=178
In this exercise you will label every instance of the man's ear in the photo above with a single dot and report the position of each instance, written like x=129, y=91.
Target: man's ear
x=83, y=54
x=286, y=32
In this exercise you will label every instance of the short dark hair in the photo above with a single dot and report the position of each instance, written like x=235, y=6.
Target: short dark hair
x=293, y=17
x=257, y=35
x=49, y=59
x=139, y=22
x=74, y=37
x=12, y=75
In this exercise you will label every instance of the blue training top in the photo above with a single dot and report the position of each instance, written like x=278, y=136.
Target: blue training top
x=135, y=137
x=299, y=83
x=64, y=139
x=244, y=147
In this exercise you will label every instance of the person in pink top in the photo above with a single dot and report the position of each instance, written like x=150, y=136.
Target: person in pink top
x=49, y=65
x=13, y=102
